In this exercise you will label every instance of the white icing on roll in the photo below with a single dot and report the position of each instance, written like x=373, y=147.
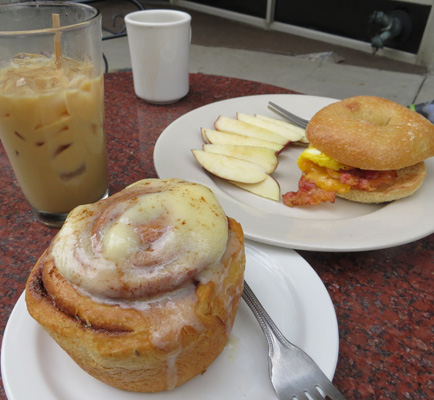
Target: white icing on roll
x=152, y=237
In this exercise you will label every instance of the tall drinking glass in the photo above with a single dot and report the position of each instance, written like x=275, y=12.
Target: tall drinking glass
x=52, y=104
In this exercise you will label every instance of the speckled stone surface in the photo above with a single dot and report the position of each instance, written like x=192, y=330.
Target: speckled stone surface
x=384, y=299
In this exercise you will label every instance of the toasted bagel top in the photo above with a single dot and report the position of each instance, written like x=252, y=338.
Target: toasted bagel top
x=372, y=133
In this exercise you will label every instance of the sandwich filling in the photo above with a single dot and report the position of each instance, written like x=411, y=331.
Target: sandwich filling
x=323, y=177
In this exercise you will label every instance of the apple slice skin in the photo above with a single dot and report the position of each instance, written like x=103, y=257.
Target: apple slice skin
x=258, y=155
x=204, y=136
x=216, y=137
x=230, y=168
x=231, y=125
x=269, y=188
x=291, y=134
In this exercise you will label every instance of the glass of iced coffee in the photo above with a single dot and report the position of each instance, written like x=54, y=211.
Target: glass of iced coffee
x=52, y=104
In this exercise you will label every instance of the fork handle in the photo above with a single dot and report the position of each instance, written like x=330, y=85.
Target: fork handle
x=294, y=119
x=271, y=331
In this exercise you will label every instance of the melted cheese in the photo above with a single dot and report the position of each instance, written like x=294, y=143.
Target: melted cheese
x=321, y=177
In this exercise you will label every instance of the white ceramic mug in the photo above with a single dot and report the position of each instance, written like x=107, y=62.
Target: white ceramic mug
x=159, y=42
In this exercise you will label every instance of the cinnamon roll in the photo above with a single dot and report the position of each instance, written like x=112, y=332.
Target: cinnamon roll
x=141, y=289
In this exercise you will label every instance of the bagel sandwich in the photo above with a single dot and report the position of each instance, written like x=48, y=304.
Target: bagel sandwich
x=365, y=149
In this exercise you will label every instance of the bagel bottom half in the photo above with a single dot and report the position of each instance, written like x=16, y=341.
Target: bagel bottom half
x=408, y=180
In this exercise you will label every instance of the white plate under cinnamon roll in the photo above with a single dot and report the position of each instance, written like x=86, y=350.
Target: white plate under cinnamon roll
x=141, y=289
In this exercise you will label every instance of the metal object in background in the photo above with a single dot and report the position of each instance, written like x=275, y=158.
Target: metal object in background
x=389, y=29
x=426, y=109
x=122, y=32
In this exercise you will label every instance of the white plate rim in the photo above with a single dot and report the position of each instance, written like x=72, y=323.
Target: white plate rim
x=23, y=336
x=387, y=225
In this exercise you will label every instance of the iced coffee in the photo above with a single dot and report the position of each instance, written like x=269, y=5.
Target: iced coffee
x=52, y=128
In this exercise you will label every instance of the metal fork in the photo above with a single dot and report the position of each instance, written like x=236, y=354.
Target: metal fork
x=294, y=119
x=293, y=373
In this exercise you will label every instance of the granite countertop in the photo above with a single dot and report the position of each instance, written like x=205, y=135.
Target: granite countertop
x=384, y=299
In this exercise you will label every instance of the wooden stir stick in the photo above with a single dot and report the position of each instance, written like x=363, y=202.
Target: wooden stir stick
x=57, y=48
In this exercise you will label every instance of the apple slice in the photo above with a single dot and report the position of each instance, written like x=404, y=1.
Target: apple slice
x=258, y=155
x=268, y=188
x=230, y=168
x=280, y=122
x=290, y=134
x=204, y=136
x=216, y=137
x=286, y=125
x=231, y=125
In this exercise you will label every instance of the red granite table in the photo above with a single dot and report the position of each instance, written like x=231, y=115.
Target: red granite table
x=384, y=299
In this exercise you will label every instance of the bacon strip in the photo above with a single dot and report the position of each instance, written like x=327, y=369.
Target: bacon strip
x=308, y=194
x=367, y=180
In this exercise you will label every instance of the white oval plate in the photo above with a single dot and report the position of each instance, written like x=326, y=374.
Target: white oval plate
x=32, y=363
x=342, y=226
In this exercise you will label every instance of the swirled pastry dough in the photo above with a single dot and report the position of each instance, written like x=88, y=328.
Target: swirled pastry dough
x=141, y=289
